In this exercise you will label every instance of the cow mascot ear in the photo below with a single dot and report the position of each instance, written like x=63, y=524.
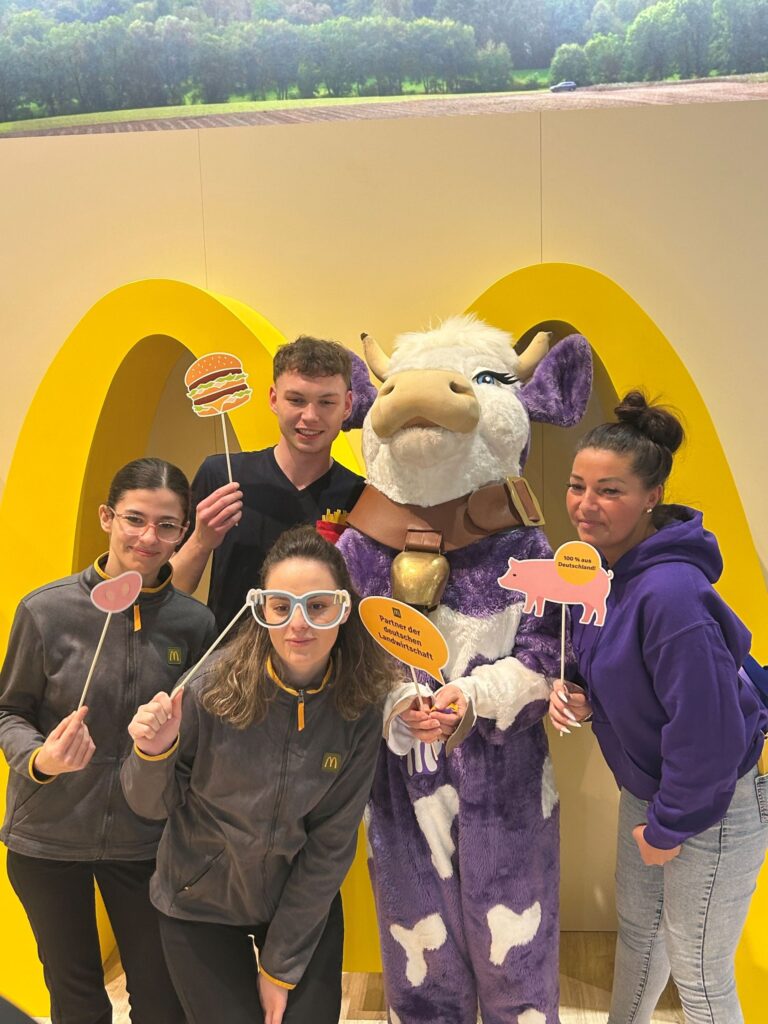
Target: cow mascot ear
x=559, y=389
x=363, y=393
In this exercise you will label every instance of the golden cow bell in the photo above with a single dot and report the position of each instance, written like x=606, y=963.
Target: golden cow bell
x=419, y=578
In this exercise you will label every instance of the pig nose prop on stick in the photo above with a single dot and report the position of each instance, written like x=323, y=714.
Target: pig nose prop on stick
x=111, y=596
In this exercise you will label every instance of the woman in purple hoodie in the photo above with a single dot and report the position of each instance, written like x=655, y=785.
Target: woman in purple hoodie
x=680, y=729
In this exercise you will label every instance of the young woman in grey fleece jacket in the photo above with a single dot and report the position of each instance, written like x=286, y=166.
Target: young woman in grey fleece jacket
x=67, y=822
x=262, y=764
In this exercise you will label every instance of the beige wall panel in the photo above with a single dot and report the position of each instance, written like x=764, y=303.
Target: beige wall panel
x=82, y=215
x=337, y=228
x=672, y=204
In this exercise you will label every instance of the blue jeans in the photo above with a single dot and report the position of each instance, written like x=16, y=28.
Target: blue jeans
x=686, y=917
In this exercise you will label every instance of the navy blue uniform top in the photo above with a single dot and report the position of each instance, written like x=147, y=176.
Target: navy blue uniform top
x=271, y=504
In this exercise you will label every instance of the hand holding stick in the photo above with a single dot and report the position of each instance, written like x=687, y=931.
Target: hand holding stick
x=568, y=704
x=155, y=725
x=67, y=748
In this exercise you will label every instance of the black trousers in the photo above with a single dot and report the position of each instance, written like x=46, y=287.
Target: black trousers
x=213, y=967
x=60, y=902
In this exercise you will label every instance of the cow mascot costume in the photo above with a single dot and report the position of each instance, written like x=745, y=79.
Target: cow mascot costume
x=464, y=837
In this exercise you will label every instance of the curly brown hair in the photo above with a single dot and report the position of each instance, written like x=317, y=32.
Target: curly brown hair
x=363, y=673
x=313, y=357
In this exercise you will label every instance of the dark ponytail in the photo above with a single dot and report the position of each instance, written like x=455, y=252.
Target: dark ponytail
x=648, y=434
x=150, y=475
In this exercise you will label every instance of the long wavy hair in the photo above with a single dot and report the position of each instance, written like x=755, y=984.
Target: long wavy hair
x=363, y=673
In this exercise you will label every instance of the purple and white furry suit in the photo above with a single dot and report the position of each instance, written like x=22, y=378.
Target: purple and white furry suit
x=464, y=846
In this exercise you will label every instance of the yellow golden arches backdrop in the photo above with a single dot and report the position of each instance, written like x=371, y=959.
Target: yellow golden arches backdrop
x=95, y=407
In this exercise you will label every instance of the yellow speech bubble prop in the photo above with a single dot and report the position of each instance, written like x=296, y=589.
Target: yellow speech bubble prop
x=406, y=634
x=577, y=562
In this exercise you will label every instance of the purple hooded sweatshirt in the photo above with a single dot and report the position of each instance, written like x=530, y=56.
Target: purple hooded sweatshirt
x=675, y=723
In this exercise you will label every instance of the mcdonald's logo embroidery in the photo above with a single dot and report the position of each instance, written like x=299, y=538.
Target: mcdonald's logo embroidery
x=174, y=655
x=331, y=762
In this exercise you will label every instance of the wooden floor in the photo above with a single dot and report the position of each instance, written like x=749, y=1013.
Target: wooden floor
x=586, y=966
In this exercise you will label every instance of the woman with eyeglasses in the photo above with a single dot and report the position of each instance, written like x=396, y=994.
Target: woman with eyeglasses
x=263, y=774
x=67, y=823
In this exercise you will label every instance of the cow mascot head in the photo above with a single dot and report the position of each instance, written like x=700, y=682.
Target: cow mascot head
x=445, y=440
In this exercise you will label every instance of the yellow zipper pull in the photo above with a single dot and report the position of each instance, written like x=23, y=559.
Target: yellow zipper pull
x=136, y=618
x=300, y=710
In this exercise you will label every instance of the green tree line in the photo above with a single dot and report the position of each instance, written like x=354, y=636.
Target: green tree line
x=113, y=64
x=669, y=39
x=68, y=56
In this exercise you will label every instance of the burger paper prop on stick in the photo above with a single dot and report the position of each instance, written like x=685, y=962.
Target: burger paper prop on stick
x=217, y=384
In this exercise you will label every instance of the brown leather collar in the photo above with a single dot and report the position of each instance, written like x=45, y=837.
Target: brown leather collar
x=451, y=525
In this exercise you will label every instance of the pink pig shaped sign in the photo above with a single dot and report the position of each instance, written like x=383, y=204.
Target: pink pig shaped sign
x=573, y=576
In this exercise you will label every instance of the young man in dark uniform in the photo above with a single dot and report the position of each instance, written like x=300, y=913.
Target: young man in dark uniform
x=295, y=482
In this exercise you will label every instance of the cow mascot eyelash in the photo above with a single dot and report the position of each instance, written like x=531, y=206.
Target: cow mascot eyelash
x=464, y=837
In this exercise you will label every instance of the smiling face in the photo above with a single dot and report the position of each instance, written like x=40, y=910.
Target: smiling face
x=608, y=503
x=303, y=650
x=309, y=410
x=142, y=551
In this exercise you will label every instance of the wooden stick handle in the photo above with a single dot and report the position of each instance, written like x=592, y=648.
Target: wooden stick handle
x=562, y=643
x=416, y=687
x=226, y=445
x=210, y=650
x=562, y=651
x=95, y=659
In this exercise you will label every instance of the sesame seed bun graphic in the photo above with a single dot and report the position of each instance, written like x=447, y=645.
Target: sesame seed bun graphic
x=216, y=384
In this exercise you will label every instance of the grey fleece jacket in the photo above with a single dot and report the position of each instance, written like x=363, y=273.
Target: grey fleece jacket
x=83, y=815
x=262, y=821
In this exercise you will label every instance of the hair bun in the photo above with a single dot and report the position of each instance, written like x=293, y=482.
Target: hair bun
x=654, y=421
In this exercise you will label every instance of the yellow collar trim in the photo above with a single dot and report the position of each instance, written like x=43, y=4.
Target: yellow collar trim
x=144, y=590
x=289, y=689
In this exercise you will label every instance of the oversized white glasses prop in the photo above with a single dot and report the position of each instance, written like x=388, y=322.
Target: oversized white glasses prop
x=322, y=609
x=251, y=598
x=573, y=575
x=112, y=596
x=216, y=384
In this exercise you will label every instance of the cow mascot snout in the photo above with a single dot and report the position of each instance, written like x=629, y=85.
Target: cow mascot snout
x=464, y=836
